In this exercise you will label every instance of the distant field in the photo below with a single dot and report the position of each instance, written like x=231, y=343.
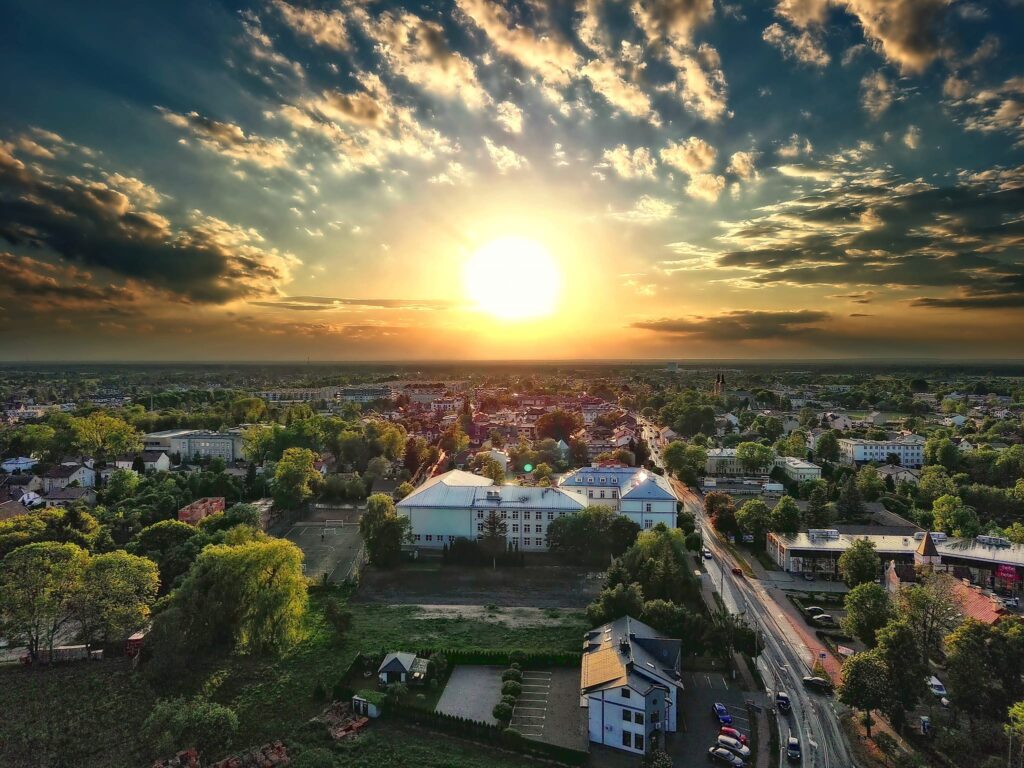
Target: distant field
x=89, y=715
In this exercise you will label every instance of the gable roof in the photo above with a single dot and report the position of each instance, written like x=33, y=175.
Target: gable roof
x=628, y=652
x=397, y=661
x=927, y=547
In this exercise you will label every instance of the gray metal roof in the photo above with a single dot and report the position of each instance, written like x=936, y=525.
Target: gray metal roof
x=463, y=490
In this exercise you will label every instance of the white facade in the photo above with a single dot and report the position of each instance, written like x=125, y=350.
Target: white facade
x=909, y=449
x=722, y=462
x=644, y=497
x=798, y=470
x=65, y=475
x=209, y=445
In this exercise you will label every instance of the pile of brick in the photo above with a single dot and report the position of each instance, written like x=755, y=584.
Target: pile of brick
x=187, y=758
x=341, y=722
x=267, y=756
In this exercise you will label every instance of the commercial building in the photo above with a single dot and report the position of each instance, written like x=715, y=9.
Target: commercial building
x=365, y=394
x=644, y=497
x=300, y=394
x=629, y=685
x=798, y=470
x=192, y=443
x=722, y=462
x=909, y=450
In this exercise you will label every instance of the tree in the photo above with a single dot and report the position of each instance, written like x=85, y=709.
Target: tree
x=101, y=435
x=864, y=683
x=859, y=564
x=850, y=504
x=559, y=424
x=721, y=510
x=867, y=611
x=955, y=518
x=906, y=670
x=488, y=466
x=931, y=610
x=493, y=538
x=972, y=668
x=870, y=483
x=933, y=483
x=123, y=484
x=114, y=595
x=70, y=526
x=177, y=724
x=940, y=450
x=592, y=536
x=383, y=531
x=543, y=473
x=785, y=517
x=687, y=462
x=172, y=545
x=454, y=439
x=819, y=511
x=403, y=490
x=754, y=518
x=694, y=541
x=295, y=478
x=38, y=584
x=614, y=602
x=754, y=457
x=827, y=448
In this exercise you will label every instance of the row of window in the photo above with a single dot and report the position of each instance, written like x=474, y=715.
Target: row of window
x=515, y=528
x=538, y=515
x=638, y=717
x=430, y=537
x=590, y=493
x=637, y=740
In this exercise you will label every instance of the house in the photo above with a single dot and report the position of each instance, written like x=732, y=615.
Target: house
x=71, y=494
x=400, y=667
x=9, y=509
x=501, y=457
x=908, y=449
x=155, y=460
x=629, y=685
x=899, y=474
x=19, y=464
x=201, y=508
x=798, y=470
x=644, y=497
x=64, y=475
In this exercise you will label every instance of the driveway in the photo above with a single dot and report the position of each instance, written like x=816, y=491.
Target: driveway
x=472, y=692
x=698, y=728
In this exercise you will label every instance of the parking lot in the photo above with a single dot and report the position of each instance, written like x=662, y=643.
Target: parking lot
x=698, y=727
x=330, y=548
x=472, y=692
x=549, y=708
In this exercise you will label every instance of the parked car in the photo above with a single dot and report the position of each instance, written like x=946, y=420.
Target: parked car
x=732, y=733
x=936, y=687
x=782, y=701
x=825, y=619
x=814, y=610
x=819, y=684
x=707, y=553
x=724, y=718
x=793, y=749
x=725, y=757
x=735, y=746
x=737, y=571
x=808, y=576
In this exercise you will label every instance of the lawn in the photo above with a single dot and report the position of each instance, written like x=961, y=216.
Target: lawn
x=89, y=715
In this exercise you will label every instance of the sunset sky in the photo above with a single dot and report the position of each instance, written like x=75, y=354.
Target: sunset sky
x=348, y=180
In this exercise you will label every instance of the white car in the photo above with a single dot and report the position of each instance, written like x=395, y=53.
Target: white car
x=734, y=746
x=936, y=687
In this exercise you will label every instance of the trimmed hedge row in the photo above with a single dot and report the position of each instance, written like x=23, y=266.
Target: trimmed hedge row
x=483, y=732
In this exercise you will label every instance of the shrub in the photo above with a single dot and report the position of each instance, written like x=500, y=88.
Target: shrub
x=510, y=700
x=517, y=657
x=516, y=666
x=319, y=691
x=512, y=674
x=432, y=684
x=511, y=688
x=511, y=736
x=502, y=712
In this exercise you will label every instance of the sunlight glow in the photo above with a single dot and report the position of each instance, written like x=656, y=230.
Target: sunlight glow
x=513, y=278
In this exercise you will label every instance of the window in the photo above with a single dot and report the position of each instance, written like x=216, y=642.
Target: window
x=536, y=515
x=515, y=515
x=504, y=514
x=602, y=493
x=451, y=537
x=648, y=523
x=625, y=715
x=551, y=515
x=430, y=537
x=479, y=515
x=539, y=542
x=625, y=693
x=638, y=718
x=416, y=537
x=590, y=493
x=590, y=478
x=647, y=507
x=615, y=494
x=515, y=527
x=625, y=737
x=479, y=527
x=561, y=514
x=655, y=716
x=603, y=479
x=638, y=741
x=615, y=481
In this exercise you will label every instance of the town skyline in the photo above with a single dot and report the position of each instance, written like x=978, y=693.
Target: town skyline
x=478, y=181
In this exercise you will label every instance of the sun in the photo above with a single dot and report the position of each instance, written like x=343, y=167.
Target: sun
x=513, y=278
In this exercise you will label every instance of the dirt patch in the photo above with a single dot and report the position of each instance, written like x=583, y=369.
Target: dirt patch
x=511, y=617
x=537, y=586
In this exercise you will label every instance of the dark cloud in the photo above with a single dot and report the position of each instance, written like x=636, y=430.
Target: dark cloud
x=92, y=224
x=741, y=325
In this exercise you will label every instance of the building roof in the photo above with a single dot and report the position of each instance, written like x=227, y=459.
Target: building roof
x=12, y=508
x=633, y=482
x=397, y=661
x=460, y=490
x=975, y=604
x=893, y=544
x=63, y=470
x=927, y=546
x=628, y=652
x=70, y=493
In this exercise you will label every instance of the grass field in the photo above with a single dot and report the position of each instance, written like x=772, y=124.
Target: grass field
x=89, y=715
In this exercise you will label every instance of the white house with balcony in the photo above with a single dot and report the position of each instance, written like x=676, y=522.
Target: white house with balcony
x=643, y=496
x=629, y=685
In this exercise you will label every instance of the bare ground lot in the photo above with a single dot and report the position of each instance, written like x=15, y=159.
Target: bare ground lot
x=541, y=585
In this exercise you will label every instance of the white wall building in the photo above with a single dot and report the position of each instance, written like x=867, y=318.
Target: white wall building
x=629, y=684
x=644, y=497
x=798, y=470
x=722, y=462
x=908, y=448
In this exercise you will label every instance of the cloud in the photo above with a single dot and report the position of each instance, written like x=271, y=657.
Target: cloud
x=993, y=109
x=803, y=13
x=743, y=164
x=417, y=50
x=620, y=93
x=795, y=147
x=325, y=303
x=692, y=156
x=41, y=286
x=646, y=210
x=910, y=33
x=802, y=47
x=504, y=159
x=700, y=81
x=741, y=325
x=89, y=222
x=673, y=21
x=630, y=164
x=912, y=138
x=876, y=94
x=326, y=28
x=510, y=117
x=229, y=140
x=799, y=171
x=455, y=174
x=705, y=186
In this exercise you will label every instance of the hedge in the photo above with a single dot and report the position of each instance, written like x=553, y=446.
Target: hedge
x=511, y=688
x=507, y=738
x=512, y=674
x=499, y=658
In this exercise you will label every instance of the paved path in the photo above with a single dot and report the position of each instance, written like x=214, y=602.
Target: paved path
x=471, y=692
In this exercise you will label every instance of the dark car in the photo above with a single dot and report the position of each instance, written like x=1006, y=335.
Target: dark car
x=737, y=571
x=724, y=718
x=793, y=749
x=814, y=610
x=819, y=684
x=725, y=757
x=782, y=701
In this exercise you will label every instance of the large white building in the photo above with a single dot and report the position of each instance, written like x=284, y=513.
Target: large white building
x=644, y=497
x=456, y=504
x=798, y=470
x=629, y=685
x=722, y=462
x=908, y=448
x=189, y=443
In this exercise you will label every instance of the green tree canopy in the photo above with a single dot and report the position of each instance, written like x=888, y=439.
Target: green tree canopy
x=865, y=683
x=177, y=724
x=867, y=610
x=383, y=530
x=859, y=564
x=295, y=478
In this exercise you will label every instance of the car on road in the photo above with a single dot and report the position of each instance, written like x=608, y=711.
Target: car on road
x=793, y=749
x=819, y=684
x=814, y=610
x=732, y=733
x=936, y=687
x=782, y=701
x=707, y=553
x=724, y=718
x=725, y=757
x=737, y=571
x=809, y=576
x=735, y=746
x=824, y=619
